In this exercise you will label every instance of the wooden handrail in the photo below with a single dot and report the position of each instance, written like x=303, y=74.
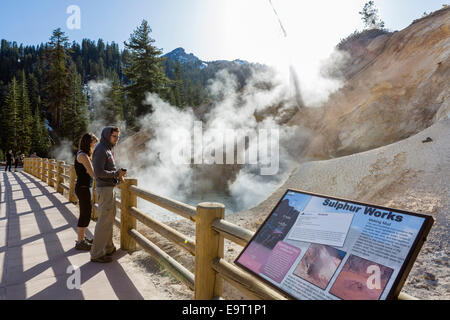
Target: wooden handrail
x=164, y=230
x=51, y=166
x=59, y=179
x=175, y=206
x=245, y=282
x=208, y=247
x=405, y=296
x=127, y=220
x=180, y=272
x=232, y=232
x=72, y=179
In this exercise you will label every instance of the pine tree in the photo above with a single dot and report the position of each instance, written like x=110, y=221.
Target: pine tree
x=189, y=93
x=116, y=98
x=110, y=107
x=40, y=140
x=33, y=92
x=10, y=115
x=178, y=91
x=129, y=113
x=57, y=90
x=369, y=16
x=75, y=119
x=36, y=137
x=144, y=69
x=24, y=118
x=82, y=112
x=197, y=95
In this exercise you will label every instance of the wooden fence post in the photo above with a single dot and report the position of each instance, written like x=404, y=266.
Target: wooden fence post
x=59, y=179
x=44, y=167
x=127, y=221
x=94, y=201
x=208, y=246
x=51, y=175
x=40, y=165
x=73, y=176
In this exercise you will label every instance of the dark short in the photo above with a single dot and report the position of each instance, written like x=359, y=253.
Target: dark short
x=84, y=201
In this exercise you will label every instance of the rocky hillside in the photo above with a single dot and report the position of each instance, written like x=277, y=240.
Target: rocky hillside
x=397, y=85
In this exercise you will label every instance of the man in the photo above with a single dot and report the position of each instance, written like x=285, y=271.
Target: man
x=9, y=160
x=106, y=177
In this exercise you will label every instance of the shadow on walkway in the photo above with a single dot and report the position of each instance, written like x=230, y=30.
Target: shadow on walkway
x=40, y=231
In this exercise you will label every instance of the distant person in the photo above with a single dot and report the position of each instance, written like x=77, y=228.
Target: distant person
x=34, y=155
x=9, y=160
x=106, y=177
x=85, y=174
x=17, y=161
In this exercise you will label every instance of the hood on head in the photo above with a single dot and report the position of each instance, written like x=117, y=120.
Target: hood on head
x=106, y=137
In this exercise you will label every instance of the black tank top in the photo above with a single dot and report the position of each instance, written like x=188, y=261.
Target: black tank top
x=83, y=178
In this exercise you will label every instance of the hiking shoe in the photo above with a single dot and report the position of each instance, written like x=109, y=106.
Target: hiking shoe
x=83, y=245
x=102, y=259
x=111, y=253
x=90, y=241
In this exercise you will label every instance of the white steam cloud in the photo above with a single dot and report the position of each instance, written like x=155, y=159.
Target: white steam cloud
x=99, y=106
x=249, y=110
x=266, y=102
x=63, y=152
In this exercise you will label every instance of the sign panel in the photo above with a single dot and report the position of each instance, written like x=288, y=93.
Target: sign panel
x=317, y=247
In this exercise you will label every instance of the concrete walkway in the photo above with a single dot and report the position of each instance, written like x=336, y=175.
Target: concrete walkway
x=37, y=238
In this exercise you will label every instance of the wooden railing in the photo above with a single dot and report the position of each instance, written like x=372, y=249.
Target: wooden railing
x=211, y=228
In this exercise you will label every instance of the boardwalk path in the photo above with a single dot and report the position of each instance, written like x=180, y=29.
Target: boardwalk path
x=37, y=238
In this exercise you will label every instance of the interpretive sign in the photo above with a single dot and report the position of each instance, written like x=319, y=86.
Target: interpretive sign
x=317, y=247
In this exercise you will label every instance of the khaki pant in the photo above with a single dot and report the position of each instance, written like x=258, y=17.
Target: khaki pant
x=103, y=243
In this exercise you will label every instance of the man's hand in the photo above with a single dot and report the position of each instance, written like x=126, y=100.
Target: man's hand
x=121, y=174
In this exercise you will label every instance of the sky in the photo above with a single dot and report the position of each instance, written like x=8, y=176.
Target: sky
x=211, y=29
x=220, y=29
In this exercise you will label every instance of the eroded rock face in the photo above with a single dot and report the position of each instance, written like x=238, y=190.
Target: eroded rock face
x=397, y=86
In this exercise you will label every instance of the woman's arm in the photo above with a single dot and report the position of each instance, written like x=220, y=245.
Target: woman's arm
x=84, y=159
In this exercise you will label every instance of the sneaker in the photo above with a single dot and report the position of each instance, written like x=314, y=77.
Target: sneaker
x=102, y=259
x=83, y=245
x=90, y=241
x=111, y=253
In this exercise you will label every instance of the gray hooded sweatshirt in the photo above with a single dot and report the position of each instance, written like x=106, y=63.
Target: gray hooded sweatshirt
x=103, y=161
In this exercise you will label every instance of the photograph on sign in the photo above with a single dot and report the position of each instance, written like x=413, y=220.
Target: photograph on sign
x=314, y=247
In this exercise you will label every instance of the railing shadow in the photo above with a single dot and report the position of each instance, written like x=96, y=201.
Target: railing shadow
x=58, y=259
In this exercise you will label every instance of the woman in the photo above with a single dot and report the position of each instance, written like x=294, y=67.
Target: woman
x=85, y=175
